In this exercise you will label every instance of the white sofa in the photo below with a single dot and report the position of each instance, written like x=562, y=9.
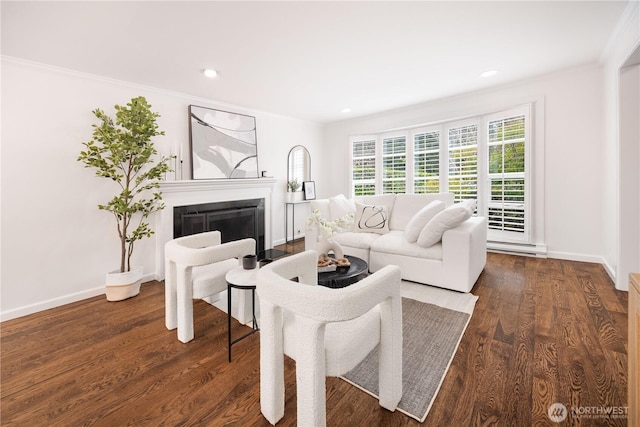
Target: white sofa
x=454, y=262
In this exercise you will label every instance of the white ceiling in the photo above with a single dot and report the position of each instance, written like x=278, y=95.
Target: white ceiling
x=311, y=59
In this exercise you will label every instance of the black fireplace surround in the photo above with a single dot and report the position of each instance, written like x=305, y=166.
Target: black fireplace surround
x=238, y=219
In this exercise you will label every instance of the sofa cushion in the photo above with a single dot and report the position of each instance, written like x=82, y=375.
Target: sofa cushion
x=323, y=206
x=407, y=205
x=371, y=219
x=386, y=200
x=470, y=204
x=421, y=218
x=442, y=221
x=394, y=242
x=356, y=240
x=340, y=206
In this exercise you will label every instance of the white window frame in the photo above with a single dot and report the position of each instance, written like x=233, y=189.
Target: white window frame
x=444, y=152
x=380, y=164
x=509, y=236
x=364, y=138
x=483, y=189
x=411, y=181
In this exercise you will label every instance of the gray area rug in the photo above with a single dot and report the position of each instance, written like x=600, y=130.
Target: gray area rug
x=431, y=335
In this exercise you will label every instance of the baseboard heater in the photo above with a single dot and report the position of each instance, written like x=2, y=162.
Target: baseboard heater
x=539, y=251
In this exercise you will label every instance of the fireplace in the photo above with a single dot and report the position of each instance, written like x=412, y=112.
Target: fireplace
x=205, y=192
x=237, y=219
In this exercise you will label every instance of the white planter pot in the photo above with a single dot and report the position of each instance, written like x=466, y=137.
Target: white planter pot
x=120, y=286
x=294, y=197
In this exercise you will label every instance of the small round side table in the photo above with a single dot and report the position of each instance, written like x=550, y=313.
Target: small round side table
x=239, y=278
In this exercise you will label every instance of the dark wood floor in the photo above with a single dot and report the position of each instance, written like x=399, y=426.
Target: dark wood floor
x=543, y=331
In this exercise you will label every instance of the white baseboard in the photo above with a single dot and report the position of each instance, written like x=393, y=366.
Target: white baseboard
x=609, y=269
x=89, y=293
x=570, y=256
x=52, y=303
x=59, y=301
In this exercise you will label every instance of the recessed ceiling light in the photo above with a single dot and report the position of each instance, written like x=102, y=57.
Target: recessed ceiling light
x=346, y=110
x=211, y=73
x=489, y=73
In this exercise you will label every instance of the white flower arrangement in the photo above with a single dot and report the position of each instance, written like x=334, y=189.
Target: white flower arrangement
x=329, y=228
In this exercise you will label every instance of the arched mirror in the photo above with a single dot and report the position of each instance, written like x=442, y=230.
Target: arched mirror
x=298, y=168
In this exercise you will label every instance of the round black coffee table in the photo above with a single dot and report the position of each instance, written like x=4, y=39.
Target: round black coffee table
x=345, y=276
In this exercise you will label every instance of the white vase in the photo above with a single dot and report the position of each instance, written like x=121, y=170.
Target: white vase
x=120, y=286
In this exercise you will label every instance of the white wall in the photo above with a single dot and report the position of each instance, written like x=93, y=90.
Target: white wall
x=56, y=244
x=623, y=42
x=629, y=173
x=567, y=148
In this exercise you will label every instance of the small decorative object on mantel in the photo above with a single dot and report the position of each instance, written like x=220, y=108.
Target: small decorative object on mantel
x=122, y=152
x=223, y=144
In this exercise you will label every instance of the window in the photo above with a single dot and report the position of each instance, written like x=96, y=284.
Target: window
x=394, y=164
x=506, y=141
x=484, y=158
x=426, y=162
x=364, y=167
x=463, y=161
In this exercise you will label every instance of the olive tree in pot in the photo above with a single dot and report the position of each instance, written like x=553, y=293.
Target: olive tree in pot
x=123, y=152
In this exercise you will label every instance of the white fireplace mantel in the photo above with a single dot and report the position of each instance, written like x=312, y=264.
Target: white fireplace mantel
x=169, y=187
x=183, y=193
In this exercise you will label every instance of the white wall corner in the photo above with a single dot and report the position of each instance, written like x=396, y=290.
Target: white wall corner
x=628, y=18
x=611, y=270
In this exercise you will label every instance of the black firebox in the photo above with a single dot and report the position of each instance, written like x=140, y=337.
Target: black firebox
x=235, y=220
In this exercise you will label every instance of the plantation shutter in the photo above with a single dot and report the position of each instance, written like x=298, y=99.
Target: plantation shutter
x=463, y=161
x=506, y=204
x=426, y=162
x=394, y=164
x=364, y=167
x=486, y=157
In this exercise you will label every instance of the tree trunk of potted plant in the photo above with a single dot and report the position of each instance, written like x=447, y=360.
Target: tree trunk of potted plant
x=122, y=151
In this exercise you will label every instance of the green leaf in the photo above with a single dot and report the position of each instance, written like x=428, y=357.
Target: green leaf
x=122, y=151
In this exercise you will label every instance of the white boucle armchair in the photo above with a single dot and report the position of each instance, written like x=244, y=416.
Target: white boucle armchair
x=195, y=268
x=327, y=332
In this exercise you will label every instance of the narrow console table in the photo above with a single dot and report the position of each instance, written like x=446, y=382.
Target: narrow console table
x=293, y=219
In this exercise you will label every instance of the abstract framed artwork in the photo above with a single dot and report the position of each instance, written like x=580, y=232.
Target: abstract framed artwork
x=223, y=144
x=309, y=188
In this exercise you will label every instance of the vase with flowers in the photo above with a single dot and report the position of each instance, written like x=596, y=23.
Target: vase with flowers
x=327, y=230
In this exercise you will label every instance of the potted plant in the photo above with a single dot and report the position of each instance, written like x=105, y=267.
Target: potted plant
x=293, y=186
x=122, y=151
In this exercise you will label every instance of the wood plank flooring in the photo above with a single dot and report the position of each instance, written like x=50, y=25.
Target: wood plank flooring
x=543, y=331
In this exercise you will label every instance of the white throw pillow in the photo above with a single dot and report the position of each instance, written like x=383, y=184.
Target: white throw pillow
x=371, y=219
x=441, y=222
x=421, y=218
x=340, y=206
x=470, y=204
